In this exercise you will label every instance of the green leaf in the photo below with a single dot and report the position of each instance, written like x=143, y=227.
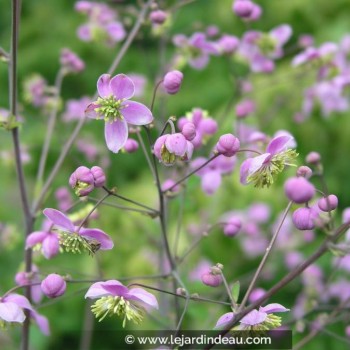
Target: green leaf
x=235, y=291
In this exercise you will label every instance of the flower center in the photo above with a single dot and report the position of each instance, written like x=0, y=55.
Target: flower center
x=109, y=108
x=75, y=243
x=110, y=306
x=266, y=44
x=266, y=174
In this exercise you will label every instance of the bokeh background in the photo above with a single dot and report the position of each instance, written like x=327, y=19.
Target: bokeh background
x=46, y=27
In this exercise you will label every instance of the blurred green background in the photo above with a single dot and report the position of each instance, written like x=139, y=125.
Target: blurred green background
x=46, y=27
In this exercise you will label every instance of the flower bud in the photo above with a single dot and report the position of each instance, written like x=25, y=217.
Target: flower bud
x=53, y=286
x=71, y=61
x=304, y=171
x=169, y=183
x=255, y=14
x=228, y=145
x=244, y=108
x=172, y=81
x=256, y=294
x=313, y=158
x=208, y=126
x=211, y=280
x=328, y=203
x=131, y=146
x=189, y=131
x=82, y=181
x=304, y=219
x=99, y=176
x=158, y=16
x=232, y=227
x=242, y=8
x=299, y=190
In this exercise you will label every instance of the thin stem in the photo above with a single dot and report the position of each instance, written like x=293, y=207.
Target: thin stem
x=191, y=297
x=146, y=212
x=145, y=153
x=112, y=193
x=154, y=94
x=265, y=257
x=50, y=127
x=98, y=203
x=70, y=141
x=179, y=220
x=191, y=248
x=233, y=303
x=192, y=172
x=170, y=122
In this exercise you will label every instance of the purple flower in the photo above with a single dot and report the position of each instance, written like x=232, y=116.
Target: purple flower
x=170, y=147
x=117, y=110
x=262, y=169
x=244, y=108
x=35, y=89
x=172, y=82
x=71, y=62
x=232, y=226
x=227, y=44
x=242, y=8
x=325, y=51
x=228, y=145
x=74, y=240
x=196, y=49
x=131, y=146
x=328, y=203
x=53, y=286
x=75, y=109
x=82, y=181
x=189, y=131
x=304, y=218
x=158, y=16
x=46, y=241
x=211, y=174
x=262, y=319
x=117, y=299
x=11, y=308
x=167, y=186
x=25, y=278
x=299, y=190
x=211, y=279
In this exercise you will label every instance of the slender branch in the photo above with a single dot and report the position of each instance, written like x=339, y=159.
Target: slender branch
x=114, y=194
x=155, y=93
x=191, y=248
x=50, y=127
x=265, y=257
x=170, y=122
x=98, y=203
x=192, y=172
x=145, y=153
x=70, y=141
x=146, y=212
x=228, y=291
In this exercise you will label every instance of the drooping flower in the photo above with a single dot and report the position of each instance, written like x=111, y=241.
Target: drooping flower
x=262, y=169
x=170, y=147
x=116, y=299
x=299, y=190
x=46, y=241
x=71, y=62
x=11, y=308
x=172, y=81
x=115, y=107
x=328, y=203
x=73, y=239
x=25, y=278
x=262, y=319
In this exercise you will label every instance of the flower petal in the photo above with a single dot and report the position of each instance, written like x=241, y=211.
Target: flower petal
x=122, y=87
x=41, y=321
x=258, y=162
x=11, y=312
x=278, y=144
x=35, y=238
x=103, y=85
x=224, y=320
x=136, y=113
x=116, y=134
x=90, y=111
x=19, y=300
x=244, y=171
x=59, y=219
x=253, y=318
x=100, y=289
x=271, y=308
x=99, y=235
x=51, y=246
x=211, y=181
x=143, y=296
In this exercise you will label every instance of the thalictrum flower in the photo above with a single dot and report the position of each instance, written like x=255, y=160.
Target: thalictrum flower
x=46, y=241
x=117, y=299
x=262, y=169
x=117, y=110
x=262, y=319
x=74, y=239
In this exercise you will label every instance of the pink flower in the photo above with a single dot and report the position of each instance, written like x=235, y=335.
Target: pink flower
x=74, y=240
x=117, y=299
x=172, y=82
x=53, y=286
x=117, y=110
x=299, y=190
x=75, y=109
x=71, y=62
x=46, y=241
x=228, y=145
x=262, y=169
